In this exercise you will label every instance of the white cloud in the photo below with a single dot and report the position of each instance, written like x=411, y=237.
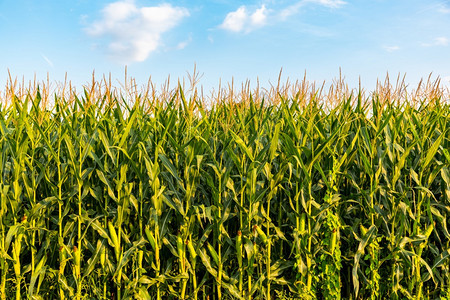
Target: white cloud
x=235, y=21
x=259, y=17
x=391, y=48
x=243, y=20
x=134, y=32
x=439, y=41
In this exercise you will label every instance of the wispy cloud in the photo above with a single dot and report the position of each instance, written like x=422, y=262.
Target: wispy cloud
x=244, y=20
x=439, y=41
x=49, y=62
x=134, y=32
x=391, y=48
x=444, y=8
x=291, y=10
x=294, y=9
x=184, y=44
x=328, y=3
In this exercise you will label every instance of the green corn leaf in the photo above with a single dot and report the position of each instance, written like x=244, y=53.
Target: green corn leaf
x=432, y=151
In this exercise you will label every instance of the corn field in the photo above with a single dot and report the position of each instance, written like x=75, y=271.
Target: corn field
x=285, y=193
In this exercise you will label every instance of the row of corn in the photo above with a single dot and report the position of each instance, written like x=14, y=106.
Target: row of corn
x=297, y=195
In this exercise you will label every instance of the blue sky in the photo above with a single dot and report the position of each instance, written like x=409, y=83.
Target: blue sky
x=225, y=39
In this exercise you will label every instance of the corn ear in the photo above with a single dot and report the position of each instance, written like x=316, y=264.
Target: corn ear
x=77, y=259
x=62, y=259
x=333, y=240
x=213, y=253
x=255, y=249
x=429, y=230
x=363, y=230
x=261, y=234
x=180, y=246
x=239, y=248
x=150, y=238
x=114, y=238
x=140, y=257
x=191, y=250
x=302, y=223
x=16, y=252
x=103, y=257
x=113, y=234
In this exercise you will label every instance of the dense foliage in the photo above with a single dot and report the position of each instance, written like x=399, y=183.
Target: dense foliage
x=111, y=196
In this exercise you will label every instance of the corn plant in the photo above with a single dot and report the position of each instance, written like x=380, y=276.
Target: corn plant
x=285, y=193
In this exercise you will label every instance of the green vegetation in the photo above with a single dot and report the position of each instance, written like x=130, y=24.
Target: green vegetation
x=287, y=194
